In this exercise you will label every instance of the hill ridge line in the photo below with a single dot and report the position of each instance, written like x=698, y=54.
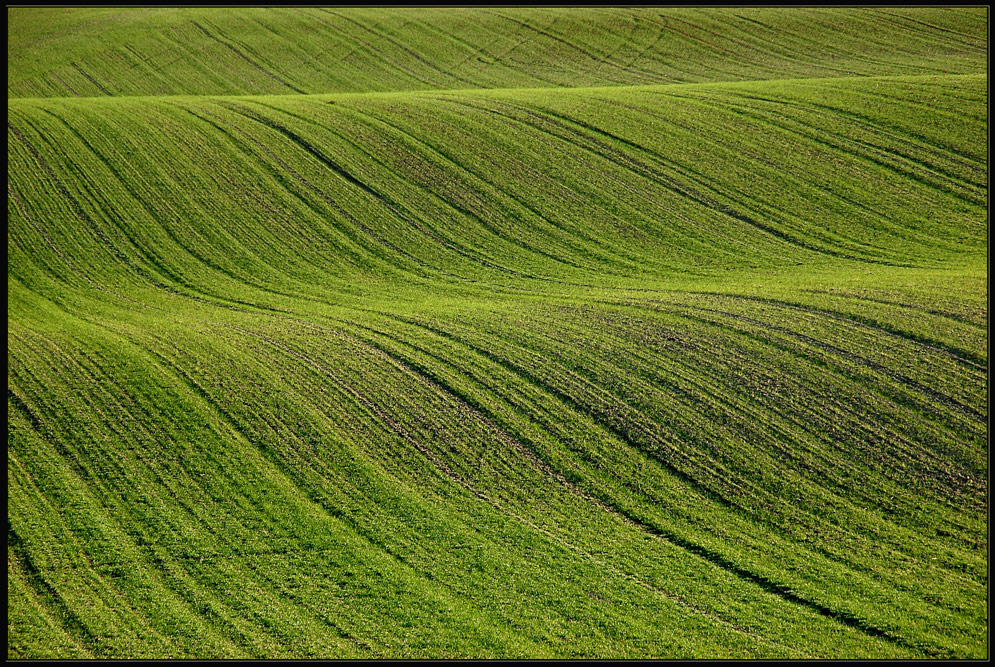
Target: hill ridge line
x=498, y=91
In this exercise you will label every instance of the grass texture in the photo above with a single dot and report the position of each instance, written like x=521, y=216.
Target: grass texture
x=504, y=333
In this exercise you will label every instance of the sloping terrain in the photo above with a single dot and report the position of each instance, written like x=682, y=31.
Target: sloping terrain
x=61, y=52
x=327, y=338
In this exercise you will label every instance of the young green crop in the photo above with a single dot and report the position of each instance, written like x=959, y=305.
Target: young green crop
x=579, y=367
x=227, y=51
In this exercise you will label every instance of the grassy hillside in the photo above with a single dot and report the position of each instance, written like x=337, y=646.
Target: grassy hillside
x=57, y=52
x=575, y=367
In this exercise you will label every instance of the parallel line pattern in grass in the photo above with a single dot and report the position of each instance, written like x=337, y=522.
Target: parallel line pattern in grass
x=609, y=368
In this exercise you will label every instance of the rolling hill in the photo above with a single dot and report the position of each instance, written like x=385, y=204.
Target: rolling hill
x=510, y=333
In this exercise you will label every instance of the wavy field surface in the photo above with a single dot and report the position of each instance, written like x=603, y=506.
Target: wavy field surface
x=566, y=347
x=99, y=52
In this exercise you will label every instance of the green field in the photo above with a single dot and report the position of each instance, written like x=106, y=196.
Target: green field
x=497, y=333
